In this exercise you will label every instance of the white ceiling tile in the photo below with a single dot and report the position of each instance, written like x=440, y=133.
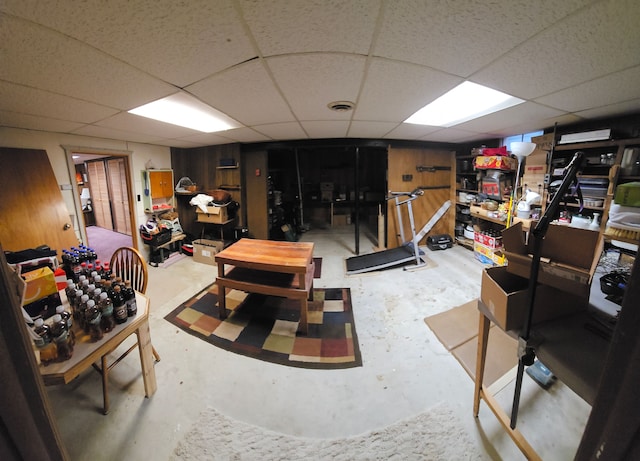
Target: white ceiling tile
x=395, y=90
x=508, y=117
x=243, y=135
x=596, y=41
x=19, y=98
x=436, y=34
x=411, y=131
x=186, y=144
x=130, y=122
x=57, y=63
x=111, y=133
x=282, y=27
x=324, y=129
x=359, y=129
x=33, y=122
x=453, y=135
x=277, y=131
x=312, y=81
x=246, y=93
x=178, y=42
x=600, y=92
x=613, y=110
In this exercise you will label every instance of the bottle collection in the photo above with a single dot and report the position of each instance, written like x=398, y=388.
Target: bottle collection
x=99, y=300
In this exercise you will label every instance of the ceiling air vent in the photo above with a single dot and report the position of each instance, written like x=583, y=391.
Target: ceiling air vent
x=341, y=106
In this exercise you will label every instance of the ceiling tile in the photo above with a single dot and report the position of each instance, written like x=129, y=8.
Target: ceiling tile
x=246, y=93
x=435, y=33
x=111, y=133
x=281, y=27
x=596, y=41
x=395, y=90
x=178, y=42
x=613, y=110
x=411, y=131
x=508, y=117
x=324, y=129
x=359, y=129
x=19, y=98
x=33, y=122
x=312, y=81
x=287, y=131
x=454, y=135
x=600, y=92
x=48, y=60
x=129, y=122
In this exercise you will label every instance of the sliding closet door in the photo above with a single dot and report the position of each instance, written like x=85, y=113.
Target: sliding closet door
x=119, y=197
x=100, y=194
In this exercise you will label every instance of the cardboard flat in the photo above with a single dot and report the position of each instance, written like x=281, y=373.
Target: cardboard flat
x=505, y=295
x=502, y=356
x=455, y=326
x=457, y=330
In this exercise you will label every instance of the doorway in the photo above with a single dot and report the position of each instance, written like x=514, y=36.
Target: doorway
x=105, y=198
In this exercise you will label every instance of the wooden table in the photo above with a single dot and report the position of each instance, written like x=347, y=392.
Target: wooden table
x=574, y=354
x=267, y=267
x=87, y=352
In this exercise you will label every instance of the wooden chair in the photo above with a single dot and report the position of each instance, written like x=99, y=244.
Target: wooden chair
x=130, y=265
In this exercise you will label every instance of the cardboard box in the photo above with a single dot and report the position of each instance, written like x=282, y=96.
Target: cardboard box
x=505, y=295
x=214, y=214
x=204, y=251
x=569, y=256
x=40, y=284
x=496, y=162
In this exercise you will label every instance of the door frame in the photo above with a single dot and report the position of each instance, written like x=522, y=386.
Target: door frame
x=70, y=150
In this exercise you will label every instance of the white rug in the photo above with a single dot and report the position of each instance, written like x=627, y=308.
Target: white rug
x=434, y=435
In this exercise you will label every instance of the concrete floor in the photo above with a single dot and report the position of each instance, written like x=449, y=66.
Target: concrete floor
x=405, y=370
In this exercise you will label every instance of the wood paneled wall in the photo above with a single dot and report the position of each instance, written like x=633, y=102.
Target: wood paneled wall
x=404, y=162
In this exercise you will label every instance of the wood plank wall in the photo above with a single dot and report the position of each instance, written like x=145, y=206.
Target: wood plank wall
x=404, y=161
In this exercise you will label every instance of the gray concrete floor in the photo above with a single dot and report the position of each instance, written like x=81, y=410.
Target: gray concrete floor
x=406, y=370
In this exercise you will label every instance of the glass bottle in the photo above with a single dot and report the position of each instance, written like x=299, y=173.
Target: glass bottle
x=119, y=305
x=130, y=299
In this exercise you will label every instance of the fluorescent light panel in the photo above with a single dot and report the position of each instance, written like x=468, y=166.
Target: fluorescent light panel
x=463, y=103
x=184, y=110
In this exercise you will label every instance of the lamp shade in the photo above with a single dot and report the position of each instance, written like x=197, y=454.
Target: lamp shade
x=522, y=149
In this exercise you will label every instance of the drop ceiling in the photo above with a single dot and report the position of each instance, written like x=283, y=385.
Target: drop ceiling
x=274, y=66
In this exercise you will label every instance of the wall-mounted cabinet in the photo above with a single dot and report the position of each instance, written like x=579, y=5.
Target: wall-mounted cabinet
x=157, y=190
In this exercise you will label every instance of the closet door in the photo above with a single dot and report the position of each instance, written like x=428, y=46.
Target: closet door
x=100, y=194
x=119, y=196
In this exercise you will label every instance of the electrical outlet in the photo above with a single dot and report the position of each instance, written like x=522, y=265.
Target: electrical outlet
x=407, y=177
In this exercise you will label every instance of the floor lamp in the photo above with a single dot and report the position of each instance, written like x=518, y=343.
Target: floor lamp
x=520, y=150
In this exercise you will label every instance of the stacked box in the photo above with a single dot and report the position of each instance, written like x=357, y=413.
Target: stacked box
x=487, y=255
x=214, y=214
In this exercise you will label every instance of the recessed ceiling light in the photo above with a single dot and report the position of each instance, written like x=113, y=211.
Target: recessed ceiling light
x=184, y=110
x=463, y=103
x=341, y=106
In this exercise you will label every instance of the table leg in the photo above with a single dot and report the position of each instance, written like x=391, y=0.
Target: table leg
x=483, y=337
x=222, y=301
x=146, y=359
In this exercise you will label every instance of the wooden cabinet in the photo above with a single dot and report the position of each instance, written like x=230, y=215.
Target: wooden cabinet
x=160, y=183
x=157, y=190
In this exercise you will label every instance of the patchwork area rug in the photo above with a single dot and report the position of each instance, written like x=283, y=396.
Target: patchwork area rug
x=433, y=435
x=264, y=327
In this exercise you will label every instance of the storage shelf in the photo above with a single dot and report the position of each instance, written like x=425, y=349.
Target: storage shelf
x=230, y=167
